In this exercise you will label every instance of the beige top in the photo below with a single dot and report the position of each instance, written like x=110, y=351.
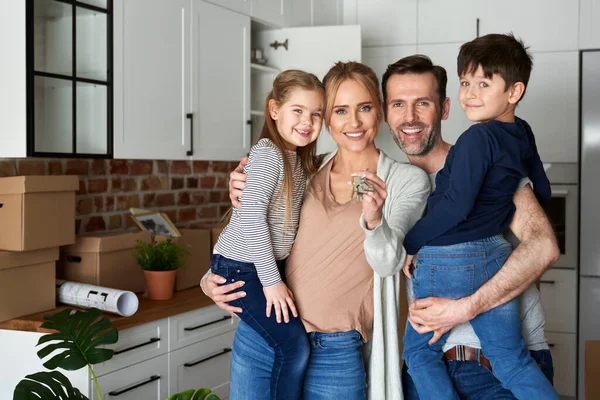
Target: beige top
x=331, y=296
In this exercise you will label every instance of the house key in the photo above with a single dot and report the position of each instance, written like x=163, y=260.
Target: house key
x=360, y=185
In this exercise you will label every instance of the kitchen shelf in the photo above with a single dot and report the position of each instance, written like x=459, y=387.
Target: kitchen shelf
x=264, y=68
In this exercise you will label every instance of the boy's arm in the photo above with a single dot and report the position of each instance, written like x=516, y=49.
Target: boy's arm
x=472, y=159
x=536, y=252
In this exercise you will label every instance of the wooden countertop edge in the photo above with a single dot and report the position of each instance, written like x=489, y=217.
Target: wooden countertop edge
x=148, y=311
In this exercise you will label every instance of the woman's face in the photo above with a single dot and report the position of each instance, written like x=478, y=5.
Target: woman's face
x=353, y=123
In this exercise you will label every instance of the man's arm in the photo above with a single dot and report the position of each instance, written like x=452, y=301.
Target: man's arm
x=536, y=252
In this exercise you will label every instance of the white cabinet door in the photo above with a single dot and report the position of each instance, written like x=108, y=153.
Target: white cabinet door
x=151, y=79
x=343, y=44
x=589, y=29
x=327, y=12
x=13, y=97
x=550, y=105
x=384, y=22
x=268, y=11
x=379, y=58
x=298, y=13
x=194, y=326
x=545, y=25
x=148, y=380
x=443, y=21
x=241, y=6
x=220, y=83
x=445, y=55
x=558, y=291
x=563, y=348
x=204, y=364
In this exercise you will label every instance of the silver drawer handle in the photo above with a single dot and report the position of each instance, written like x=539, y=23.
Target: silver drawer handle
x=191, y=364
x=193, y=328
x=548, y=282
x=147, y=381
x=137, y=346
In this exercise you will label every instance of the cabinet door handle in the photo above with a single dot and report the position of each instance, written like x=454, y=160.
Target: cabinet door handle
x=548, y=282
x=249, y=122
x=193, y=328
x=147, y=381
x=551, y=345
x=190, y=116
x=137, y=346
x=191, y=364
x=477, y=28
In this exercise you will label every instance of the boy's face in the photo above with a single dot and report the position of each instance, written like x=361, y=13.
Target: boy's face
x=485, y=99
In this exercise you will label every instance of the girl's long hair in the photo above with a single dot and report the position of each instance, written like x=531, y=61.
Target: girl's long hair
x=283, y=85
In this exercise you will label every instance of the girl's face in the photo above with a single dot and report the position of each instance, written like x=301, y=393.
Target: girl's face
x=353, y=121
x=299, y=118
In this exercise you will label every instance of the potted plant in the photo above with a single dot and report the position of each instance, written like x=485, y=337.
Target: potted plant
x=160, y=261
x=192, y=394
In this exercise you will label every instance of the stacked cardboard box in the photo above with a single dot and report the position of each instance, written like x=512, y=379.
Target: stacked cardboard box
x=38, y=215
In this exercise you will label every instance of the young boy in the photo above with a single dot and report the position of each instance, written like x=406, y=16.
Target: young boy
x=459, y=240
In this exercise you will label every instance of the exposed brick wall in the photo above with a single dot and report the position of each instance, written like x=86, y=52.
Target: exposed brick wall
x=191, y=193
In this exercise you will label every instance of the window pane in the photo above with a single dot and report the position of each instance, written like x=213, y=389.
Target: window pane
x=53, y=115
x=97, y=3
x=53, y=37
x=91, y=44
x=91, y=118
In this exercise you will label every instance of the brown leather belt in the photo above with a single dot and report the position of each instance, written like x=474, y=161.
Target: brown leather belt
x=466, y=353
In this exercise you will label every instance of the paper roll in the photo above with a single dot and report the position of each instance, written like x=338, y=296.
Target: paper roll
x=116, y=301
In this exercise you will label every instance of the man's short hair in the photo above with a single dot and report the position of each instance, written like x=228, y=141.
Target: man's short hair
x=499, y=54
x=416, y=64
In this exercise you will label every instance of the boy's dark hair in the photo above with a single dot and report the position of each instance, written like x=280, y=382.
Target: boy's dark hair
x=499, y=54
x=415, y=64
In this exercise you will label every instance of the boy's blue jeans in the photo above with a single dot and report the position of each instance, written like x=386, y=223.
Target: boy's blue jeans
x=457, y=271
x=289, y=341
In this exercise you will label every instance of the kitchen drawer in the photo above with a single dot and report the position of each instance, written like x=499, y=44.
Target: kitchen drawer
x=204, y=364
x=194, y=326
x=136, y=345
x=558, y=288
x=147, y=380
x=563, y=348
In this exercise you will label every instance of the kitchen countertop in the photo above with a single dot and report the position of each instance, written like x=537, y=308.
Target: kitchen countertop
x=148, y=311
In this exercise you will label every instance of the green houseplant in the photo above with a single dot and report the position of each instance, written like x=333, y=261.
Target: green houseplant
x=160, y=261
x=192, y=394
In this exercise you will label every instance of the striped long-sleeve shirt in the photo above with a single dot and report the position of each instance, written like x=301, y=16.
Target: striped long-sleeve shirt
x=255, y=233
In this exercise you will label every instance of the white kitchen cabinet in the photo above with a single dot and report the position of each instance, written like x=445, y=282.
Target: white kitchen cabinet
x=152, y=79
x=544, y=25
x=443, y=21
x=384, y=22
x=551, y=107
x=563, y=348
x=445, y=55
x=313, y=13
x=220, y=83
x=589, y=29
x=241, y=6
x=13, y=98
x=270, y=12
x=558, y=291
x=195, y=326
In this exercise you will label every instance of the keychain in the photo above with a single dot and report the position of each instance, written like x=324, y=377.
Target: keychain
x=360, y=185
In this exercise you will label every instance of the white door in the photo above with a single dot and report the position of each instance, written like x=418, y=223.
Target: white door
x=220, y=83
x=550, y=105
x=443, y=21
x=151, y=79
x=241, y=6
x=445, y=55
x=545, y=25
x=589, y=29
x=307, y=51
x=268, y=11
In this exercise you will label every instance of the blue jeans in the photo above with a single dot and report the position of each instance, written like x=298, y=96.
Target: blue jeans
x=475, y=382
x=288, y=341
x=457, y=271
x=335, y=370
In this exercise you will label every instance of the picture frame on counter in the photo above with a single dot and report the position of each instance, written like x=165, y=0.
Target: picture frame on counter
x=156, y=222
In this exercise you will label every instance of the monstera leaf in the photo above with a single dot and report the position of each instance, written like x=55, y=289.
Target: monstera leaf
x=47, y=386
x=79, y=336
x=191, y=394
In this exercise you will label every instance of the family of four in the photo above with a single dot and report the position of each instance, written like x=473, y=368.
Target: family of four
x=313, y=270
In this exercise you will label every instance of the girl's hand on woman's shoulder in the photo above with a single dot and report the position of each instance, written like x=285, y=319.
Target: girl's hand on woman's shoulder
x=372, y=202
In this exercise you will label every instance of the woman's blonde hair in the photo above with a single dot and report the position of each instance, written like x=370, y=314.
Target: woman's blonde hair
x=358, y=72
x=283, y=85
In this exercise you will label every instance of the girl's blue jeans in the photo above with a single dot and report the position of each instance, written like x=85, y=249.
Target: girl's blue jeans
x=454, y=272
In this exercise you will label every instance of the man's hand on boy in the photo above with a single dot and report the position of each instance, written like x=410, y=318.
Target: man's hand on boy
x=237, y=182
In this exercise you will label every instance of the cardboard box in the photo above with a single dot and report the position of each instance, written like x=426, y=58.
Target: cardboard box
x=592, y=369
x=198, y=243
x=104, y=260
x=37, y=212
x=27, y=282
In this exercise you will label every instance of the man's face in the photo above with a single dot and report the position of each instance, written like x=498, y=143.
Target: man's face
x=414, y=113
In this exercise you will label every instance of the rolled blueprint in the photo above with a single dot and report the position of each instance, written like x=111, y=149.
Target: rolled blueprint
x=115, y=301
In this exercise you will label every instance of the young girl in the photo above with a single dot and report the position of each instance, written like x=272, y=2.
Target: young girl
x=254, y=245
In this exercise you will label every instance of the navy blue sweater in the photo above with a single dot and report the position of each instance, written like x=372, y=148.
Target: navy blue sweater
x=473, y=195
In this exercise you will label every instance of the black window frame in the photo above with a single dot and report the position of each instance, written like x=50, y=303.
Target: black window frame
x=32, y=73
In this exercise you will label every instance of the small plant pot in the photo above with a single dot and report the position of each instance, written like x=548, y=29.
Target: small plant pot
x=160, y=284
